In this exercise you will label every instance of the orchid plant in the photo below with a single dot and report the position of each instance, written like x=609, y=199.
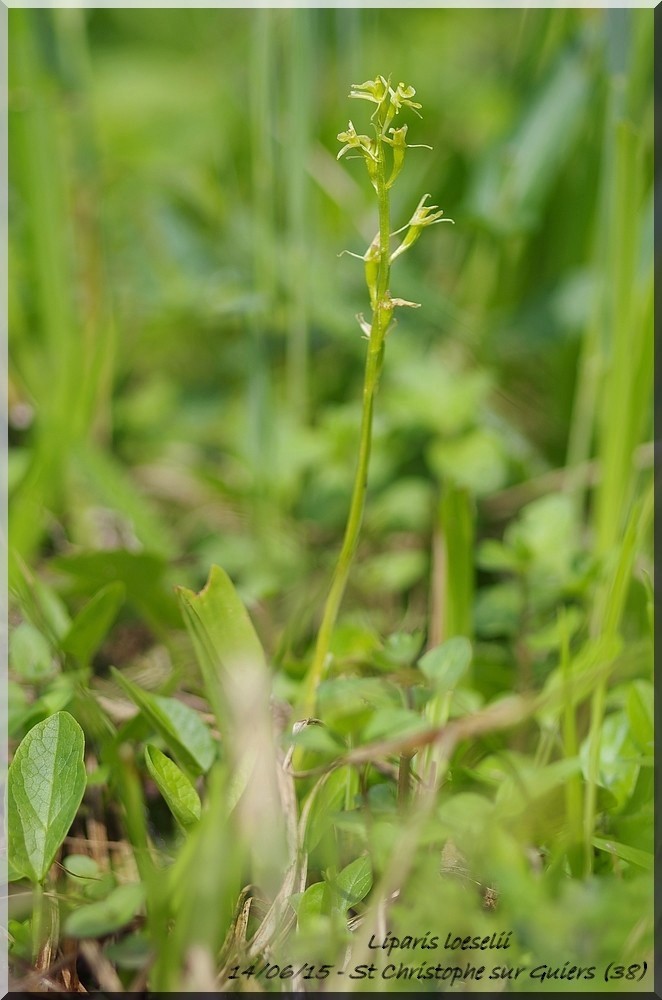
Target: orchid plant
x=383, y=154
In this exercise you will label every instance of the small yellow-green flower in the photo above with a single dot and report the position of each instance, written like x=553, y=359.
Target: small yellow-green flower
x=354, y=141
x=402, y=97
x=371, y=90
x=425, y=215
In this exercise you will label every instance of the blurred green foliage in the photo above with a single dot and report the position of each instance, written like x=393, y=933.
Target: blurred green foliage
x=184, y=390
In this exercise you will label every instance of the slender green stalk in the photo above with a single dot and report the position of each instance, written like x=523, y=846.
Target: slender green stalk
x=573, y=787
x=373, y=368
x=38, y=919
x=378, y=259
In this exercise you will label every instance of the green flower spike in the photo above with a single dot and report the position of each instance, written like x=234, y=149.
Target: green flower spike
x=425, y=215
x=383, y=155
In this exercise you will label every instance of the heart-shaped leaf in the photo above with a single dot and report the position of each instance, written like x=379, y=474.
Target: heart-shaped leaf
x=180, y=795
x=45, y=785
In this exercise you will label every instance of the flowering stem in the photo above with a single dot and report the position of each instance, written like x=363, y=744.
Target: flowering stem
x=381, y=317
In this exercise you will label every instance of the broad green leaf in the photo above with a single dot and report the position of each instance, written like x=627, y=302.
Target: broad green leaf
x=12, y=874
x=354, y=882
x=108, y=915
x=392, y=722
x=181, y=727
x=310, y=905
x=222, y=634
x=45, y=785
x=545, y=535
x=87, y=878
x=92, y=623
x=399, y=650
x=393, y=572
x=80, y=866
x=180, y=795
x=618, y=757
x=447, y=664
x=30, y=653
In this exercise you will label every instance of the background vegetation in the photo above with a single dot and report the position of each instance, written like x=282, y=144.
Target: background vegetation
x=185, y=381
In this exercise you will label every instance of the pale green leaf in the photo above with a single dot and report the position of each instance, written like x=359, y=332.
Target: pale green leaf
x=354, y=882
x=447, y=664
x=81, y=866
x=45, y=785
x=178, y=792
x=392, y=722
x=108, y=915
x=311, y=904
x=30, y=653
x=181, y=727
